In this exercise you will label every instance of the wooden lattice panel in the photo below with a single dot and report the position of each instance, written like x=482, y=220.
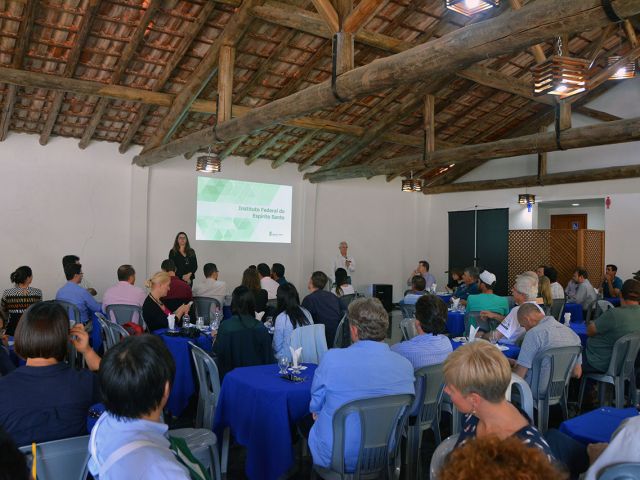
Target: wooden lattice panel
x=594, y=256
x=563, y=252
x=527, y=250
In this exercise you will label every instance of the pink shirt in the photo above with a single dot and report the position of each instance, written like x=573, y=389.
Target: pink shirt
x=123, y=293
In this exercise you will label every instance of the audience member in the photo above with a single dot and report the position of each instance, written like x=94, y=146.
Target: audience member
x=524, y=290
x=429, y=346
x=477, y=376
x=277, y=273
x=342, y=287
x=636, y=275
x=242, y=340
x=542, y=333
x=12, y=460
x=291, y=316
x=585, y=293
x=124, y=292
x=184, y=258
x=84, y=283
x=266, y=282
x=179, y=291
x=557, y=292
x=343, y=260
x=456, y=279
x=72, y=292
x=612, y=284
x=154, y=311
x=416, y=291
x=423, y=270
x=324, y=306
x=498, y=458
x=368, y=368
x=486, y=300
x=251, y=280
x=540, y=270
x=544, y=290
x=469, y=284
x=610, y=326
x=17, y=299
x=130, y=440
x=572, y=288
x=211, y=287
x=622, y=448
x=47, y=399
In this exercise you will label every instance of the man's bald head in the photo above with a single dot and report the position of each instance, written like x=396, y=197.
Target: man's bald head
x=529, y=315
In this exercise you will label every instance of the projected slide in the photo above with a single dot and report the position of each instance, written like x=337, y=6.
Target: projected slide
x=235, y=211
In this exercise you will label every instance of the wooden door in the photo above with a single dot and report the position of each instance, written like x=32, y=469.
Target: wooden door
x=569, y=222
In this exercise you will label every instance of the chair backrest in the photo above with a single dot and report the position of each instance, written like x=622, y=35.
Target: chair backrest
x=440, y=455
x=473, y=318
x=123, y=313
x=524, y=393
x=625, y=351
x=114, y=332
x=343, y=336
x=604, y=305
x=381, y=424
x=66, y=458
x=557, y=308
x=209, y=386
x=408, y=311
x=313, y=341
x=345, y=300
x=551, y=372
x=408, y=328
x=621, y=471
x=205, y=306
x=73, y=312
x=429, y=381
x=106, y=332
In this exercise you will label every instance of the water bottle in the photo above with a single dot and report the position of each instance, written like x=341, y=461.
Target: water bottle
x=186, y=320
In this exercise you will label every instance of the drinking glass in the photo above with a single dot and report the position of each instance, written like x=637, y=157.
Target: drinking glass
x=200, y=323
x=215, y=323
x=283, y=363
x=493, y=338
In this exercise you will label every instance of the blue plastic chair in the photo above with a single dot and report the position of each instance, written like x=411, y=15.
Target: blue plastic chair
x=621, y=471
x=125, y=314
x=203, y=307
x=60, y=459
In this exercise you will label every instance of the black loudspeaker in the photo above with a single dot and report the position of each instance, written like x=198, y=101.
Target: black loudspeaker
x=384, y=293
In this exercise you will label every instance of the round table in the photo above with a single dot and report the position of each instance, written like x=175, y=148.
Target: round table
x=597, y=425
x=512, y=351
x=581, y=331
x=260, y=408
x=184, y=383
x=575, y=309
x=455, y=322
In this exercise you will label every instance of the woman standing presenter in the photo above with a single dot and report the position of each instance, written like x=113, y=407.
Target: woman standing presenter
x=184, y=257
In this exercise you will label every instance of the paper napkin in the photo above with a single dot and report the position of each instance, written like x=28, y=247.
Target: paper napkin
x=295, y=355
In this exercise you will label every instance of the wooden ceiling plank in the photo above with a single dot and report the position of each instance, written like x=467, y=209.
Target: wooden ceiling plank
x=265, y=146
x=294, y=149
x=321, y=153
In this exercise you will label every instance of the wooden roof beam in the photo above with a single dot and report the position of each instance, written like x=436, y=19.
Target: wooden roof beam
x=294, y=149
x=321, y=153
x=536, y=50
x=328, y=14
x=363, y=12
x=630, y=31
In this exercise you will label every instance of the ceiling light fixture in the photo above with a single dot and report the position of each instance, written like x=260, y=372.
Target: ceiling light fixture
x=560, y=75
x=209, y=163
x=471, y=7
x=575, y=204
x=412, y=184
x=628, y=70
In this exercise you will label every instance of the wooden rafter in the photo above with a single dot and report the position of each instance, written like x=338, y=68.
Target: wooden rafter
x=294, y=149
x=321, y=153
x=359, y=16
x=264, y=147
x=328, y=14
x=225, y=82
x=128, y=54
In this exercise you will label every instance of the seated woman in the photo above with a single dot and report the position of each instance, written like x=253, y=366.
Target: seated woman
x=545, y=295
x=251, y=280
x=242, y=340
x=343, y=287
x=16, y=300
x=291, y=316
x=46, y=399
x=153, y=310
x=477, y=376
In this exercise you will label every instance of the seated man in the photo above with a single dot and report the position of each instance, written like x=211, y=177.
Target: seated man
x=417, y=290
x=611, y=284
x=429, y=347
x=423, y=271
x=179, y=290
x=124, y=292
x=130, y=440
x=543, y=333
x=266, y=282
x=324, y=306
x=83, y=283
x=610, y=326
x=469, y=284
x=72, y=292
x=557, y=292
x=486, y=299
x=366, y=369
x=585, y=293
x=277, y=273
x=525, y=290
x=211, y=287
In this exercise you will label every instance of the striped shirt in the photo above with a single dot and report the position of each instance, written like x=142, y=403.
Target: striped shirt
x=423, y=350
x=16, y=300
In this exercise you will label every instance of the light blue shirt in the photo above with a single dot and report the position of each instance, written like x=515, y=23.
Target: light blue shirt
x=148, y=462
x=366, y=369
x=74, y=293
x=423, y=350
x=282, y=333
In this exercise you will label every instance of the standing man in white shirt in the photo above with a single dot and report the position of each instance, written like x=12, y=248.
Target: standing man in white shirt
x=266, y=282
x=343, y=260
x=210, y=287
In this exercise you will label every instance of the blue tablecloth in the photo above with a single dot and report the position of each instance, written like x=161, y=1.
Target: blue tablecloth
x=615, y=301
x=581, y=330
x=226, y=312
x=96, y=335
x=575, y=309
x=512, y=350
x=455, y=323
x=446, y=298
x=260, y=408
x=597, y=425
x=184, y=383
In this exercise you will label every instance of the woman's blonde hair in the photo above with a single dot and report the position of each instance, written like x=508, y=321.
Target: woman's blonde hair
x=545, y=290
x=158, y=278
x=478, y=367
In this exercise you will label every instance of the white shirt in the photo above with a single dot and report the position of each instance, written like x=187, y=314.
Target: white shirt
x=510, y=328
x=346, y=290
x=341, y=262
x=211, y=288
x=557, y=292
x=622, y=448
x=271, y=286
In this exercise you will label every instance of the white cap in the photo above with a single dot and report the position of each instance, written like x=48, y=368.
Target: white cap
x=487, y=277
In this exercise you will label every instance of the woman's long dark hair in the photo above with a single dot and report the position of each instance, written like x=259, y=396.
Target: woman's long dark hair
x=341, y=279
x=188, y=251
x=21, y=275
x=250, y=279
x=243, y=304
x=289, y=303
